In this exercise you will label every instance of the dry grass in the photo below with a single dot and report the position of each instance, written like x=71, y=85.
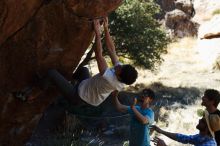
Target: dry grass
x=187, y=42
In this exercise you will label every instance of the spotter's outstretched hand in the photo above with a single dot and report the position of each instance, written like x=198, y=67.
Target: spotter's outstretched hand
x=158, y=142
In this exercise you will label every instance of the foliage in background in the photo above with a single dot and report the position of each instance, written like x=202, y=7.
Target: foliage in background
x=137, y=34
x=216, y=12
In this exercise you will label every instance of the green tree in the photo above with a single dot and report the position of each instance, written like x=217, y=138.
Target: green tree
x=137, y=34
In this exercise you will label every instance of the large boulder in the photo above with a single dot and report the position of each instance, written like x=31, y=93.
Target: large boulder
x=186, y=29
x=35, y=36
x=186, y=6
x=180, y=23
x=46, y=35
x=178, y=16
x=174, y=17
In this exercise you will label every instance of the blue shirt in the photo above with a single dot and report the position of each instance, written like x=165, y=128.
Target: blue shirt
x=139, y=133
x=197, y=140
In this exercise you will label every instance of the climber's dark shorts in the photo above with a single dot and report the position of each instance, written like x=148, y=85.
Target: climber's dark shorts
x=68, y=90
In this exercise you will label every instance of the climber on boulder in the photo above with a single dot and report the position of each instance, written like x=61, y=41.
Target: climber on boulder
x=94, y=90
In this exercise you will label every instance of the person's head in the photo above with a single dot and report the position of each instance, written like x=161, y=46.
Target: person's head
x=203, y=127
x=126, y=74
x=211, y=98
x=147, y=96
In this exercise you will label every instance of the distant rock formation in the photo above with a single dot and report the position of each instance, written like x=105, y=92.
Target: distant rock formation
x=178, y=14
x=180, y=24
x=186, y=6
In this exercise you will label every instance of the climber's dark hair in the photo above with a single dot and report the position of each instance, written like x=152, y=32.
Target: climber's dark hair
x=128, y=74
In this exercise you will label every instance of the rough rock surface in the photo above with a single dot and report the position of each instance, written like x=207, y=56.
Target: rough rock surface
x=186, y=6
x=166, y=6
x=34, y=37
x=178, y=14
x=180, y=23
x=48, y=36
x=174, y=17
x=186, y=28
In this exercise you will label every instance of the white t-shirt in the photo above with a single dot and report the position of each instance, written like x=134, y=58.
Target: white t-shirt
x=96, y=89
